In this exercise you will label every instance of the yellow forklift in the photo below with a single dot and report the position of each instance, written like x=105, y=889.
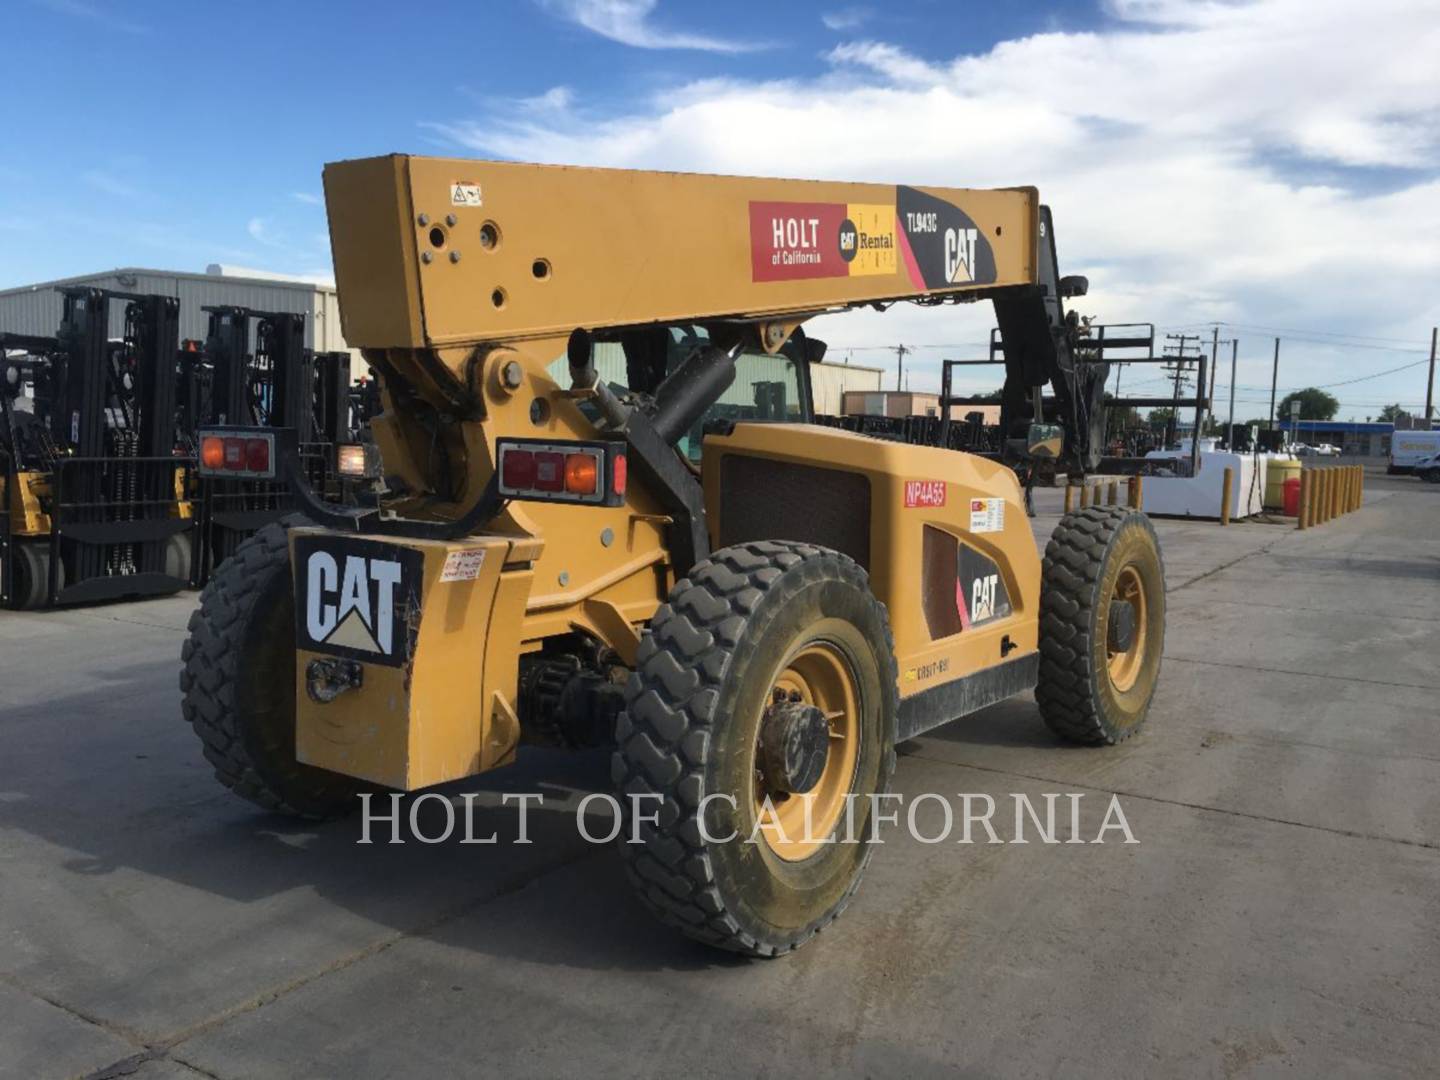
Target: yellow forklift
x=606, y=522
x=93, y=482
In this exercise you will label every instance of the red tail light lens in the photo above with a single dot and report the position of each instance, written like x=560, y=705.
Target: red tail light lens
x=212, y=452
x=619, y=475
x=257, y=455
x=517, y=469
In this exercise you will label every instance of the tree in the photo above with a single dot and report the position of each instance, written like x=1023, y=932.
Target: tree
x=1390, y=413
x=1160, y=418
x=1122, y=417
x=1315, y=404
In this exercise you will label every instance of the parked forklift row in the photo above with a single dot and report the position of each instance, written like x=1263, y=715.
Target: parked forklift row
x=100, y=495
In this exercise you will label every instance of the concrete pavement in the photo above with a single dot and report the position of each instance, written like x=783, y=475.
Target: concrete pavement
x=1279, y=914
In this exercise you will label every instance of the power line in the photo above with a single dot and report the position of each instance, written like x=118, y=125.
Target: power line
x=1297, y=332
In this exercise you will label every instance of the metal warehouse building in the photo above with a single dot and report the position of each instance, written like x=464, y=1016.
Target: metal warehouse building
x=35, y=309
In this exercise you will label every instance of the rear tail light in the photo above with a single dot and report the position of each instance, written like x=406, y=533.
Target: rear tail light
x=240, y=454
x=574, y=472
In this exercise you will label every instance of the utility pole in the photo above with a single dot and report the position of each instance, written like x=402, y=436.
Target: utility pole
x=1230, y=423
x=1178, y=374
x=900, y=351
x=1430, y=386
x=1215, y=342
x=1274, y=376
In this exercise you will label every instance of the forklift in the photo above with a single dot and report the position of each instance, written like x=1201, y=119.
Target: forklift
x=94, y=490
x=257, y=372
x=751, y=611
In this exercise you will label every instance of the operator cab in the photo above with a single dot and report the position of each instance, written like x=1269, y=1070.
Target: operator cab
x=768, y=388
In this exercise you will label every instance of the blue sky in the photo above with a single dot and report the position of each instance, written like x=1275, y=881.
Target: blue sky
x=1265, y=163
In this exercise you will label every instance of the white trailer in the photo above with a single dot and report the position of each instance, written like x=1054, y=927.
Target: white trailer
x=1409, y=448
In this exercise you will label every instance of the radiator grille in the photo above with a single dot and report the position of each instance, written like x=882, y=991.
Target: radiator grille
x=761, y=499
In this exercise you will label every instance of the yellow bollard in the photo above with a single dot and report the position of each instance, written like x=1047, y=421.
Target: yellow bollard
x=1350, y=489
x=1357, y=475
x=1069, y=497
x=1332, y=486
x=1322, y=497
x=1138, y=500
x=1302, y=514
x=1113, y=499
x=1225, y=489
x=1084, y=495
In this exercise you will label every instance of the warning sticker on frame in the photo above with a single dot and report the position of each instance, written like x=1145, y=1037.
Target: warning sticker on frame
x=464, y=193
x=987, y=515
x=463, y=565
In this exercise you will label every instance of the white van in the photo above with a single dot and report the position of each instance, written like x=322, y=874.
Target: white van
x=1409, y=448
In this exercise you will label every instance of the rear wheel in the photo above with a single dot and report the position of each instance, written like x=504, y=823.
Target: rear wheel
x=764, y=703
x=239, y=684
x=1102, y=625
x=31, y=581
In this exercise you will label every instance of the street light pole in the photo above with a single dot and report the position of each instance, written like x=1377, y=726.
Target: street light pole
x=1274, y=375
x=1230, y=423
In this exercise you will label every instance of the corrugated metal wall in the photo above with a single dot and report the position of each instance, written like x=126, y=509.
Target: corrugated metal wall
x=36, y=310
x=829, y=382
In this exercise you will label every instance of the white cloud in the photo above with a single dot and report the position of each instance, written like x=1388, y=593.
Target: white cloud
x=555, y=100
x=846, y=18
x=308, y=198
x=1274, y=162
x=628, y=22
x=260, y=231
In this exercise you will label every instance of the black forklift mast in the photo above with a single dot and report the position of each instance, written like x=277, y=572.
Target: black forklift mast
x=333, y=423
x=104, y=436
x=262, y=375
x=1041, y=345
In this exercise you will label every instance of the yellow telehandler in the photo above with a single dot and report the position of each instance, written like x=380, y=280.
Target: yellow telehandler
x=604, y=520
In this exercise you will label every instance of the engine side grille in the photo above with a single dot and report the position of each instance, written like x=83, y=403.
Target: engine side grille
x=761, y=499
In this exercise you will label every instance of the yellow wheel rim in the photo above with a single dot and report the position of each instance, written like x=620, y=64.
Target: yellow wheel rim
x=821, y=675
x=1125, y=666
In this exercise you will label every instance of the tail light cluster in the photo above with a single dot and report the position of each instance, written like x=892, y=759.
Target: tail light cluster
x=574, y=472
x=238, y=453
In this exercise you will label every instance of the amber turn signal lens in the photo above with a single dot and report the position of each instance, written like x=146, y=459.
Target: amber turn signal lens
x=212, y=452
x=582, y=473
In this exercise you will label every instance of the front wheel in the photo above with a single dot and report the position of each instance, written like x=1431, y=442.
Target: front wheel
x=760, y=719
x=1102, y=625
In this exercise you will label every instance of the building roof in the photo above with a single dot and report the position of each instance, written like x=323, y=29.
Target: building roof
x=215, y=271
x=1350, y=427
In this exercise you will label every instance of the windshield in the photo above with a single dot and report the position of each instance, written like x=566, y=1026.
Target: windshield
x=767, y=389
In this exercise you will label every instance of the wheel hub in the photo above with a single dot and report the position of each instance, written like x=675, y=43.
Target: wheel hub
x=794, y=745
x=1120, y=636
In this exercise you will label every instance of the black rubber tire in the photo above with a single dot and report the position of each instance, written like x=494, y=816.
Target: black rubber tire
x=31, y=580
x=692, y=710
x=1086, y=553
x=239, y=684
x=179, y=556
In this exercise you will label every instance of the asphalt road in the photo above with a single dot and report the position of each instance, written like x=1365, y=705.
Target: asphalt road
x=1279, y=915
